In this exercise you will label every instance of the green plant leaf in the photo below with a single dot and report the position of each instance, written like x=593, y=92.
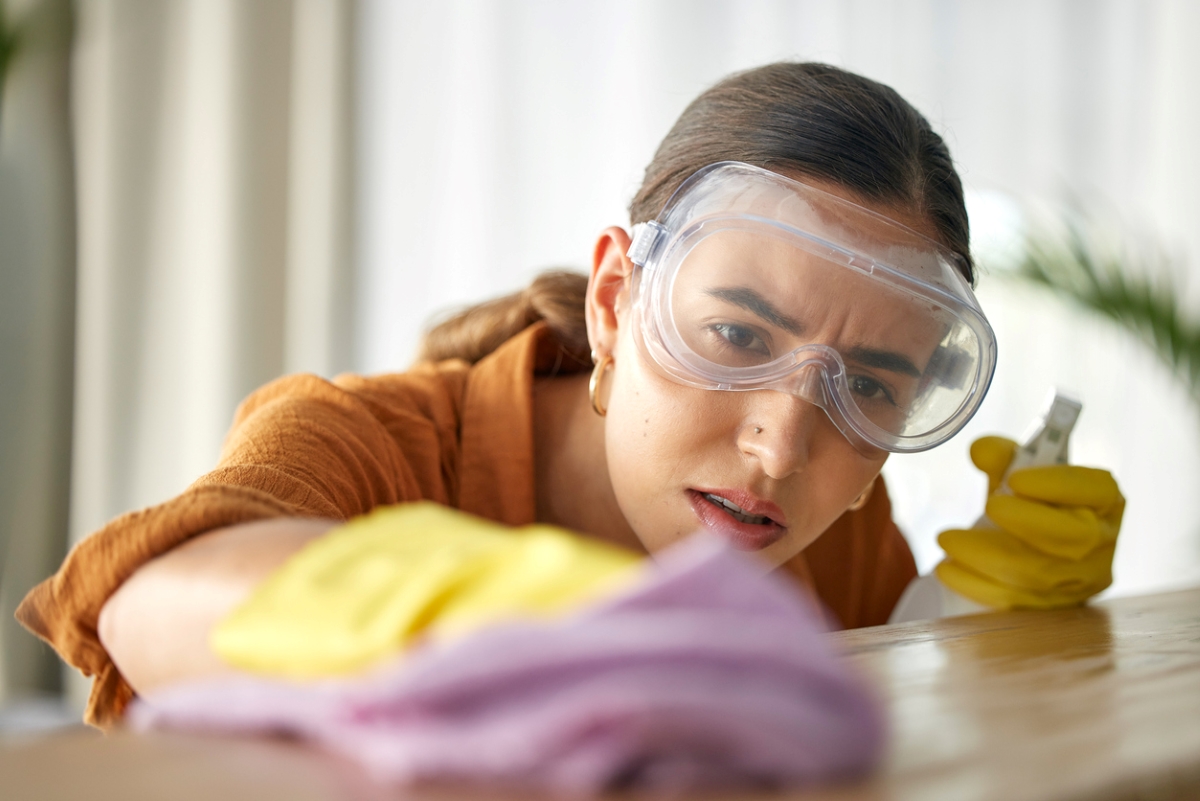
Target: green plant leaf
x=1142, y=298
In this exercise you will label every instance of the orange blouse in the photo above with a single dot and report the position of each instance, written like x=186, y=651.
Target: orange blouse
x=449, y=432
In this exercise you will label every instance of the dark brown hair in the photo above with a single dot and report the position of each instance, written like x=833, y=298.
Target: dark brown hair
x=555, y=296
x=809, y=120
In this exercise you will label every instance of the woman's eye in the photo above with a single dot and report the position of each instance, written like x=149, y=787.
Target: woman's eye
x=741, y=337
x=869, y=389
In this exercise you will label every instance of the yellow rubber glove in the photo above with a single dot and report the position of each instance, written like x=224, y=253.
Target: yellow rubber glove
x=1054, y=538
x=366, y=589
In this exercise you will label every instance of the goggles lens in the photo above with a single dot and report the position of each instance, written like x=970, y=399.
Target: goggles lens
x=741, y=301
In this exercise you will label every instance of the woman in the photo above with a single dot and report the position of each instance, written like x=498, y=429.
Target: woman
x=611, y=406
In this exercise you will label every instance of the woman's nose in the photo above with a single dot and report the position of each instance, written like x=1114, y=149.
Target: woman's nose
x=779, y=432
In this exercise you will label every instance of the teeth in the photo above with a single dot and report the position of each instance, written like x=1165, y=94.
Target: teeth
x=728, y=504
x=736, y=511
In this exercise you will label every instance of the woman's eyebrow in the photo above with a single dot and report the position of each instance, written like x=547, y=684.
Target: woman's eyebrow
x=751, y=301
x=884, y=360
x=755, y=303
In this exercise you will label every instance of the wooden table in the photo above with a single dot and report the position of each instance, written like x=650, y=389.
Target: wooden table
x=1094, y=703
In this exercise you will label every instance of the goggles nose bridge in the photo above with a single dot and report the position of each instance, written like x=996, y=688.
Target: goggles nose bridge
x=815, y=369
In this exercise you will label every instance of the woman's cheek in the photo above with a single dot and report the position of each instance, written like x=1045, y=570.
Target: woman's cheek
x=647, y=437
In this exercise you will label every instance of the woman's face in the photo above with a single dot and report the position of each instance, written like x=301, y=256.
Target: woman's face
x=766, y=470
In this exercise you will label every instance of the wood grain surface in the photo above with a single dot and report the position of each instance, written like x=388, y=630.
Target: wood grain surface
x=1101, y=702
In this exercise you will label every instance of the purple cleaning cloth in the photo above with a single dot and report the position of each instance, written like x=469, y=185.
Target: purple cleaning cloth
x=705, y=673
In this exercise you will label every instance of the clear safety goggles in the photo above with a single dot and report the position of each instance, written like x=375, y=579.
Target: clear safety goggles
x=750, y=280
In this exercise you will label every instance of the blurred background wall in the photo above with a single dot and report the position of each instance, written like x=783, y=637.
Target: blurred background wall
x=280, y=185
x=37, y=328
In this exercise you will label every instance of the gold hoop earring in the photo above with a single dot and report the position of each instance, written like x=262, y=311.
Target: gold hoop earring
x=862, y=499
x=594, y=384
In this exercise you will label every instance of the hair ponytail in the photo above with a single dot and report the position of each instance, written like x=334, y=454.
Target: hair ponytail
x=555, y=297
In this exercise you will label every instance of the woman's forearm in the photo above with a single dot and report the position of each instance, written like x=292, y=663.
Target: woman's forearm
x=156, y=626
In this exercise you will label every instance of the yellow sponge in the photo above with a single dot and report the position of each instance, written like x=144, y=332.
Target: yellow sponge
x=367, y=589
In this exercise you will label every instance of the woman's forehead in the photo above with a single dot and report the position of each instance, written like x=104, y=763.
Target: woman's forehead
x=779, y=264
x=904, y=214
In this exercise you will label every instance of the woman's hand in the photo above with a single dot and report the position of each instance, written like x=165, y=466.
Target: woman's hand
x=156, y=626
x=1054, y=537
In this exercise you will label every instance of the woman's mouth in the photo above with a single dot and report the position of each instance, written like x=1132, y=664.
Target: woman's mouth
x=746, y=522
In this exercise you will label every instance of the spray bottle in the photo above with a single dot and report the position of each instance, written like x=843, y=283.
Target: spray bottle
x=1045, y=444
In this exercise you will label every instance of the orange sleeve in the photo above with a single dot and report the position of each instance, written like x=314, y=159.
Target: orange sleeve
x=300, y=447
x=861, y=564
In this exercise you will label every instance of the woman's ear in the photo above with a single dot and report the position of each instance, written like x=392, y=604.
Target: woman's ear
x=608, y=288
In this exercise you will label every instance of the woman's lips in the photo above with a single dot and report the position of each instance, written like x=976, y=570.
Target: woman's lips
x=743, y=536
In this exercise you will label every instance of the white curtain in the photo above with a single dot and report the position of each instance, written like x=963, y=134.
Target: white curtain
x=213, y=141
x=498, y=138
